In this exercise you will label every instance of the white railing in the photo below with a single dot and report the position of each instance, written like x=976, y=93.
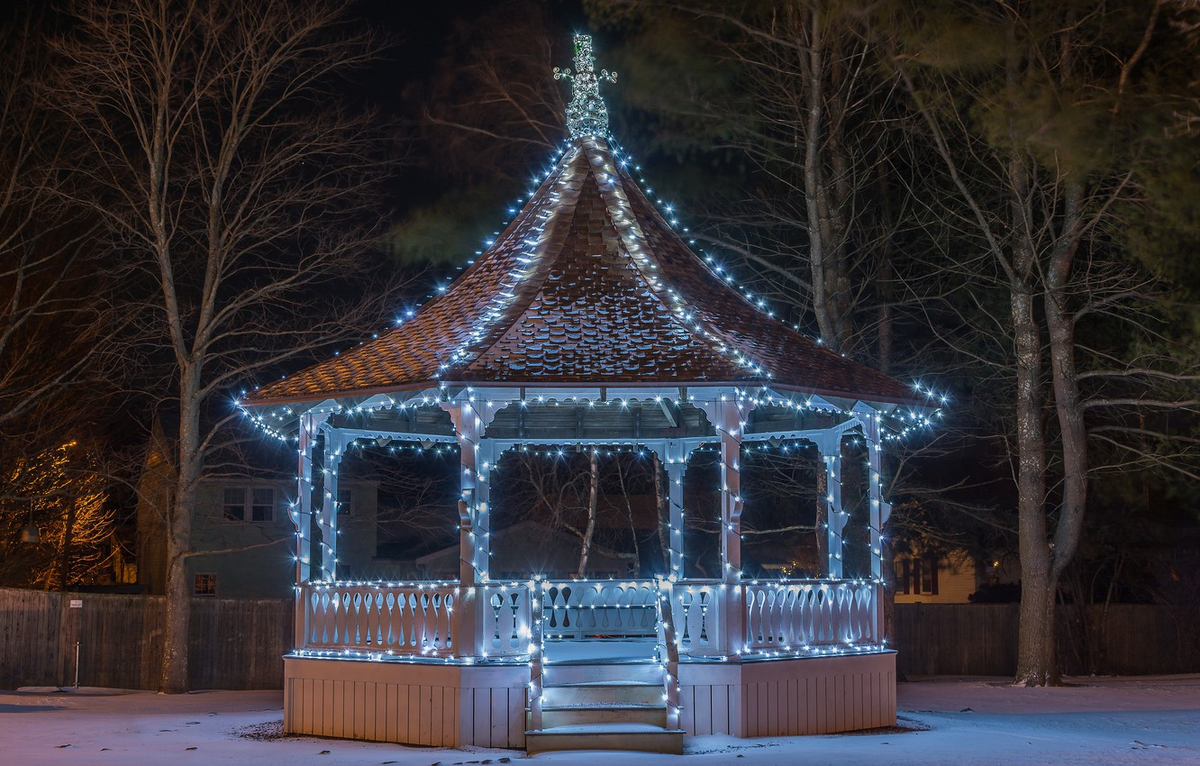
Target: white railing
x=796, y=616
x=424, y=619
x=414, y=618
x=506, y=617
x=587, y=608
x=392, y=619
x=698, y=606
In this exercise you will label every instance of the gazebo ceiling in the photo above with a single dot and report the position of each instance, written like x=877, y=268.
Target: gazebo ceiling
x=587, y=285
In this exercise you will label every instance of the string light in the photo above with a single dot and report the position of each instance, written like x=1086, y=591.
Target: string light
x=695, y=621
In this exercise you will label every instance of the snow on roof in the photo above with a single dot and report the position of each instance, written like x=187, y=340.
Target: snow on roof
x=587, y=284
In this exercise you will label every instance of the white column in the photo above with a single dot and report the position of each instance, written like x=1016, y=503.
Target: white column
x=331, y=461
x=301, y=511
x=471, y=418
x=880, y=510
x=485, y=462
x=677, y=456
x=830, y=449
x=729, y=419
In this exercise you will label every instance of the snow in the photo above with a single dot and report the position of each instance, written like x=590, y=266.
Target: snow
x=600, y=650
x=964, y=722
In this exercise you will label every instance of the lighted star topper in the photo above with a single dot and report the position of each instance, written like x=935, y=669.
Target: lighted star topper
x=587, y=116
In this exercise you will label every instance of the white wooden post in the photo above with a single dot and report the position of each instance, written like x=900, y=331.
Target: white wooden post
x=880, y=510
x=471, y=418
x=830, y=448
x=728, y=418
x=472, y=535
x=677, y=455
x=327, y=519
x=301, y=513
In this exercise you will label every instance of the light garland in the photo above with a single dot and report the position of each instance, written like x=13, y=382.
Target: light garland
x=587, y=116
x=472, y=410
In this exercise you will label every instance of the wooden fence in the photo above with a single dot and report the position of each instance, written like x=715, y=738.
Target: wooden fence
x=234, y=643
x=981, y=639
x=239, y=643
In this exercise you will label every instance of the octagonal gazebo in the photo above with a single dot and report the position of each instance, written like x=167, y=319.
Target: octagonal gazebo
x=587, y=322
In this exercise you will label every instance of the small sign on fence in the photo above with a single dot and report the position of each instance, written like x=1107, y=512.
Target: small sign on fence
x=77, y=603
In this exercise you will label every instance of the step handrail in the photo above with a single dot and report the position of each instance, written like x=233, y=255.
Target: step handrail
x=536, y=648
x=668, y=652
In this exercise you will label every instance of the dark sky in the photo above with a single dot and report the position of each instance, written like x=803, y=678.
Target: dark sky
x=420, y=31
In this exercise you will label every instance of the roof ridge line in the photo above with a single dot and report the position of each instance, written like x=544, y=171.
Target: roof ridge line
x=710, y=336
x=524, y=289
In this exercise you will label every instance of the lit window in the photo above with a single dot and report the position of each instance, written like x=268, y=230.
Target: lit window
x=204, y=585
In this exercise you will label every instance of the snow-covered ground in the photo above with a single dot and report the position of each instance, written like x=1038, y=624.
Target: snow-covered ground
x=947, y=721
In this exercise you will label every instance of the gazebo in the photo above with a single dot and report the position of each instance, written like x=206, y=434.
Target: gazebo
x=588, y=322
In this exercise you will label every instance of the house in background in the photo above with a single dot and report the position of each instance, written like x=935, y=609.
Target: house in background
x=242, y=536
x=951, y=577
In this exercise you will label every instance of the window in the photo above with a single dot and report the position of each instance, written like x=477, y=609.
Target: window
x=248, y=504
x=345, y=502
x=204, y=585
x=262, y=506
x=234, y=503
x=917, y=575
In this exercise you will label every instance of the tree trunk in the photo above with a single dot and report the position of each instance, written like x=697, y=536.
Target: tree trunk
x=593, y=490
x=824, y=200
x=1037, y=659
x=1036, y=664
x=179, y=533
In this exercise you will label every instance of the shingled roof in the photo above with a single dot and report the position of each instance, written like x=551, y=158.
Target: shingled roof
x=587, y=285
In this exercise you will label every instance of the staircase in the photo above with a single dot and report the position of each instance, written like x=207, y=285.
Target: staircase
x=604, y=706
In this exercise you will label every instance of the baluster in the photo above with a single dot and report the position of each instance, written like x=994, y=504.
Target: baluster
x=429, y=622
x=316, y=625
x=493, y=617
x=514, y=639
x=569, y=619
x=775, y=599
x=683, y=613
x=356, y=617
x=411, y=628
x=389, y=603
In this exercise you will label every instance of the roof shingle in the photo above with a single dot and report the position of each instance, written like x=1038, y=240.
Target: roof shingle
x=587, y=284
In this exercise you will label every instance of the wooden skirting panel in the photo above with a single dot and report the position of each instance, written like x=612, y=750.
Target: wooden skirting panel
x=411, y=704
x=816, y=695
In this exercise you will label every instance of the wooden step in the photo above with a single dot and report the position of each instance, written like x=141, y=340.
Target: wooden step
x=606, y=736
x=597, y=713
x=566, y=674
x=557, y=695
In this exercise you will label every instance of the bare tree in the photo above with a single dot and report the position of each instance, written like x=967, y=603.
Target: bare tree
x=1024, y=106
x=792, y=89
x=234, y=189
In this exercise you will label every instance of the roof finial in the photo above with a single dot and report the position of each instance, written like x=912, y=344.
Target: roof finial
x=586, y=114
